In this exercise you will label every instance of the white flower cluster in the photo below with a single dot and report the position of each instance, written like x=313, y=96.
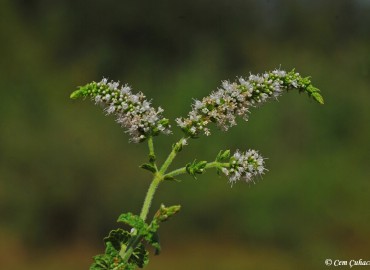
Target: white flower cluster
x=234, y=99
x=133, y=111
x=244, y=166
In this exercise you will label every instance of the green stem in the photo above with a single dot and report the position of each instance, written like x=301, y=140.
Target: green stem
x=144, y=212
x=216, y=164
x=130, y=249
x=158, y=177
x=152, y=157
x=176, y=172
x=149, y=195
x=209, y=165
x=175, y=149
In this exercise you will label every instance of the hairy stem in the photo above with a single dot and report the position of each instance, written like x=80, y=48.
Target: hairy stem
x=149, y=195
x=152, y=157
x=144, y=212
x=154, y=184
x=209, y=165
x=172, y=155
x=157, y=179
x=176, y=172
x=216, y=164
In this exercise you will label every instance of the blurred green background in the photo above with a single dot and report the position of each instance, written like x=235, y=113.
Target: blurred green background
x=67, y=170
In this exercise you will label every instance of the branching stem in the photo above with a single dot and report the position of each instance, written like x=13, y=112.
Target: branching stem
x=157, y=179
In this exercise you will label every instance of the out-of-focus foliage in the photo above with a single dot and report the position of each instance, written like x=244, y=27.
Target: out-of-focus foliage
x=64, y=165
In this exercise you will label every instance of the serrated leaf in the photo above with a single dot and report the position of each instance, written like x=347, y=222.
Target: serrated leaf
x=156, y=244
x=139, y=256
x=109, y=260
x=117, y=238
x=101, y=262
x=134, y=221
x=153, y=239
x=148, y=167
x=116, y=241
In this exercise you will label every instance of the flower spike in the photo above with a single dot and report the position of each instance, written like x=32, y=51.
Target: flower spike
x=133, y=111
x=244, y=166
x=234, y=99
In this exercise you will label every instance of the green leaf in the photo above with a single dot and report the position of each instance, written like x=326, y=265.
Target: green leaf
x=148, y=167
x=101, y=262
x=133, y=221
x=115, y=242
x=111, y=260
x=163, y=214
x=156, y=244
x=153, y=239
x=171, y=178
x=223, y=155
x=316, y=96
x=201, y=165
x=195, y=168
x=118, y=238
x=139, y=256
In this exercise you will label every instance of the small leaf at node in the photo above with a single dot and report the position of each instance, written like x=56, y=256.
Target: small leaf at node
x=171, y=178
x=148, y=167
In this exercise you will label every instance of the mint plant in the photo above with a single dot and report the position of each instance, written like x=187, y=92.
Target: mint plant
x=127, y=249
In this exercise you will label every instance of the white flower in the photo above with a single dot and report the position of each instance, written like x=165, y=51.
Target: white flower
x=233, y=99
x=97, y=99
x=133, y=111
x=197, y=104
x=244, y=166
x=125, y=90
x=111, y=109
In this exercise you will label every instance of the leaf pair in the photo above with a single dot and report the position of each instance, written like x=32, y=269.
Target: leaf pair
x=195, y=168
x=119, y=241
x=111, y=259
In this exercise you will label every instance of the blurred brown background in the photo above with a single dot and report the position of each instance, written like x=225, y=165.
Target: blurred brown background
x=67, y=171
